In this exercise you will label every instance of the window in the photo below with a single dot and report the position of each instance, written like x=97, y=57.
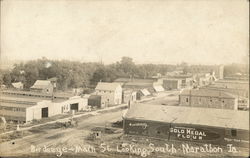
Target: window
x=234, y=132
x=187, y=100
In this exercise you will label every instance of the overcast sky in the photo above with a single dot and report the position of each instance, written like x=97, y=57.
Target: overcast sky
x=149, y=31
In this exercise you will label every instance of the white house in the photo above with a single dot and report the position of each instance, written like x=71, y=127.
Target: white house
x=111, y=92
x=17, y=85
x=43, y=86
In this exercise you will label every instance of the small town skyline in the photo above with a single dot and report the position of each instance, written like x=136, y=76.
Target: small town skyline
x=10, y=62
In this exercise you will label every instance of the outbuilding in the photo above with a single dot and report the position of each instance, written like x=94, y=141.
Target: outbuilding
x=142, y=93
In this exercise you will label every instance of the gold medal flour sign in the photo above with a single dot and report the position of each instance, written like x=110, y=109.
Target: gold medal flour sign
x=192, y=133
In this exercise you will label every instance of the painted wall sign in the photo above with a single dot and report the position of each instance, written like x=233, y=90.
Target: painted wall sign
x=143, y=125
x=193, y=133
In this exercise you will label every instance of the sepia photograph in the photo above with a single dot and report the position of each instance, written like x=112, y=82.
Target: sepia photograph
x=124, y=78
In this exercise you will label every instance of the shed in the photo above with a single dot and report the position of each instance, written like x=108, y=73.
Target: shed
x=158, y=88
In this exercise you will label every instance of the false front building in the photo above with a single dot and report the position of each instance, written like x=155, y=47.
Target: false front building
x=111, y=93
x=208, y=99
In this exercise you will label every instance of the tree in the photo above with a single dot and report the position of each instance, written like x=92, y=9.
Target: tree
x=7, y=78
x=127, y=66
x=99, y=75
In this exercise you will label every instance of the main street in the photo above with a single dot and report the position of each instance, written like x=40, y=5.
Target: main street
x=68, y=136
x=56, y=137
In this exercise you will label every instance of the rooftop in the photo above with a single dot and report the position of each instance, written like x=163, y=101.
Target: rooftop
x=17, y=84
x=38, y=94
x=134, y=80
x=5, y=104
x=40, y=84
x=107, y=86
x=233, y=81
x=207, y=93
x=21, y=99
x=192, y=116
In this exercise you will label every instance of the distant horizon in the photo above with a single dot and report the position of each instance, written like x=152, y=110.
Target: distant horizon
x=153, y=32
x=17, y=61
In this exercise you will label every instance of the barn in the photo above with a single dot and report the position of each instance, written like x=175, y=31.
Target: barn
x=213, y=126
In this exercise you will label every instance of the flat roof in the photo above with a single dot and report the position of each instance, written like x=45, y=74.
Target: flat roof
x=59, y=96
x=232, y=81
x=207, y=93
x=24, y=93
x=22, y=98
x=148, y=80
x=190, y=115
x=107, y=86
x=15, y=105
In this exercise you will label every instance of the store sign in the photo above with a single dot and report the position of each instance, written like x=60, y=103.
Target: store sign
x=193, y=133
x=143, y=125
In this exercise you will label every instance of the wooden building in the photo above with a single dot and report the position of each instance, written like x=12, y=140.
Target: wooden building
x=42, y=86
x=141, y=94
x=25, y=106
x=111, y=92
x=17, y=85
x=95, y=101
x=208, y=99
x=214, y=126
x=128, y=96
x=170, y=84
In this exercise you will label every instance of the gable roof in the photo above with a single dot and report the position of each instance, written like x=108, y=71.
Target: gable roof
x=207, y=93
x=107, y=86
x=193, y=116
x=145, y=92
x=158, y=88
x=41, y=84
x=17, y=85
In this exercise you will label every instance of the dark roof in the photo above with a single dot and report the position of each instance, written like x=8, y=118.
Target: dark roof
x=94, y=97
x=53, y=79
x=135, y=80
x=107, y=86
x=207, y=93
x=192, y=116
